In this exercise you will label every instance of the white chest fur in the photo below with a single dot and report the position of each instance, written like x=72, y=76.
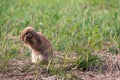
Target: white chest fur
x=36, y=58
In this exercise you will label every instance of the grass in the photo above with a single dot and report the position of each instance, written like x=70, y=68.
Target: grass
x=82, y=27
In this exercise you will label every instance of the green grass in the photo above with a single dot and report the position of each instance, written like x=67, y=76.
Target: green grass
x=83, y=27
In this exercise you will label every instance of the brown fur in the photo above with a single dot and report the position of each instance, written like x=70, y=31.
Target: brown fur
x=37, y=43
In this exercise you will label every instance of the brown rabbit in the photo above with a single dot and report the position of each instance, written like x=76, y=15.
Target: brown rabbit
x=38, y=44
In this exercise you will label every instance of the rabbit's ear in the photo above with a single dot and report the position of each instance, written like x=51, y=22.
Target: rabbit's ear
x=36, y=36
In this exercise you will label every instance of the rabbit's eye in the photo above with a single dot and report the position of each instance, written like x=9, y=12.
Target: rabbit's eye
x=26, y=33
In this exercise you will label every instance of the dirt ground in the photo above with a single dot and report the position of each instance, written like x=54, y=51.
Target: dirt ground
x=25, y=70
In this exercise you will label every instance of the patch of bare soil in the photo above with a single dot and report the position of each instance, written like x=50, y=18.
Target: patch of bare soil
x=25, y=70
